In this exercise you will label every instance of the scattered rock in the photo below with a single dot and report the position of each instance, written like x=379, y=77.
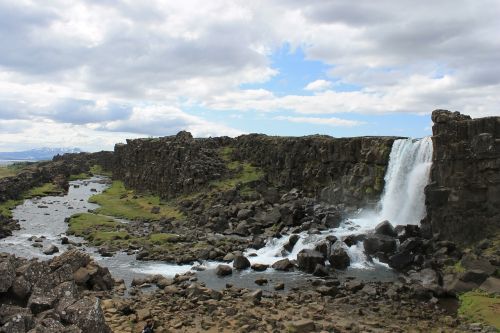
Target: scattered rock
x=223, y=270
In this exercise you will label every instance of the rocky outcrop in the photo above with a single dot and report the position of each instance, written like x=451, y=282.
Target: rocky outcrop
x=171, y=165
x=47, y=296
x=338, y=170
x=463, y=198
x=343, y=170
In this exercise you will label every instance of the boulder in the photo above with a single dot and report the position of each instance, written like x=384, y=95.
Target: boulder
x=320, y=270
x=401, y=260
x=292, y=240
x=50, y=250
x=223, y=270
x=86, y=313
x=353, y=239
x=8, y=274
x=308, y=259
x=491, y=285
x=470, y=262
x=241, y=262
x=301, y=326
x=379, y=243
x=259, y=267
x=385, y=228
x=283, y=265
x=474, y=275
x=338, y=257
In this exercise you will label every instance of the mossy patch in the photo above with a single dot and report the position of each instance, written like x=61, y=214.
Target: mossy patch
x=455, y=269
x=98, y=170
x=241, y=172
x=79, y=176
x=479, y=306
x=119, y=202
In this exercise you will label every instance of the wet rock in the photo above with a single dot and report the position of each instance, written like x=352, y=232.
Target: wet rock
x=338, y=257
x=223, y=270
x=292, y=240
x=51, y=250
x=320, y=270
x=283, y=265
x=259, y=267
x=401, y=260
x=241, y=262
x=261, y=281
x=353, y=239
x=379, y=243
x=354, y=285
x=228, y=257
x=279, y=286
x=385, y=228
x=308, y=259
x=323, y=248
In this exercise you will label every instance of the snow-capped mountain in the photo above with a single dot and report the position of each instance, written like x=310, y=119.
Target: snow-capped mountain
x=37, y=154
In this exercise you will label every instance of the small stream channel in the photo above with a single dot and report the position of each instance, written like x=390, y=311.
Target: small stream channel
x=46, y=217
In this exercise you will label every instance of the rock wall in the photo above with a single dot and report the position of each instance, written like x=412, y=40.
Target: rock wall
x=339, y=170
x=463, y=198
x=171, y=165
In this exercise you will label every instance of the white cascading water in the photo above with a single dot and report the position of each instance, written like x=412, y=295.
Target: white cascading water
x=403, y=202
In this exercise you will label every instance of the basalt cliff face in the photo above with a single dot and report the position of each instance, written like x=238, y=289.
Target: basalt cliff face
x=339, y=170
x=463, y=198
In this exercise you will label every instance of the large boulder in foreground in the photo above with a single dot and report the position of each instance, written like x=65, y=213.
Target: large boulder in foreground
x=49, y=287
x=308, y=259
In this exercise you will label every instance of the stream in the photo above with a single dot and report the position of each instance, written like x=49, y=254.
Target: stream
x=45, y=217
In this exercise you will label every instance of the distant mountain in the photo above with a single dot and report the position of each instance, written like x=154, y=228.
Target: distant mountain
x=37, y=154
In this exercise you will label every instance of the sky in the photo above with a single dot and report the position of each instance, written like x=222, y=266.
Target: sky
x=92, y=73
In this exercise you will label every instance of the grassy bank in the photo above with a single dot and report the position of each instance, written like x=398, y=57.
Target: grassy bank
x=103, y=230
x=480, y=307
x=13, y=169
x=119, y=202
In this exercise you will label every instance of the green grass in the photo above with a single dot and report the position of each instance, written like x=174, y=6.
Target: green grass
x=7, y=206
x=79, y=176
x=479, y=306
x=13, y=169
x=119, y=202
x=455, y=269
x=44, y=190
x=98, y=170
x=99, y=229
x=242, y=172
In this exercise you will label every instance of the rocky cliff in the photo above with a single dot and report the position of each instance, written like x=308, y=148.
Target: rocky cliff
x=463, y=198
x=339, y=170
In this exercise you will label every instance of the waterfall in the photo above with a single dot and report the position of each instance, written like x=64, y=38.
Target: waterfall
x=403, y=200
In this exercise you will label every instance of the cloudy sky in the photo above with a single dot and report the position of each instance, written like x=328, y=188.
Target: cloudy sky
x=91, y=73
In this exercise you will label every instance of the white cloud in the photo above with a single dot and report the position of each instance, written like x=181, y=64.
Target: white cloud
x=333, y=122
x=318, y=85
x=108, y=66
